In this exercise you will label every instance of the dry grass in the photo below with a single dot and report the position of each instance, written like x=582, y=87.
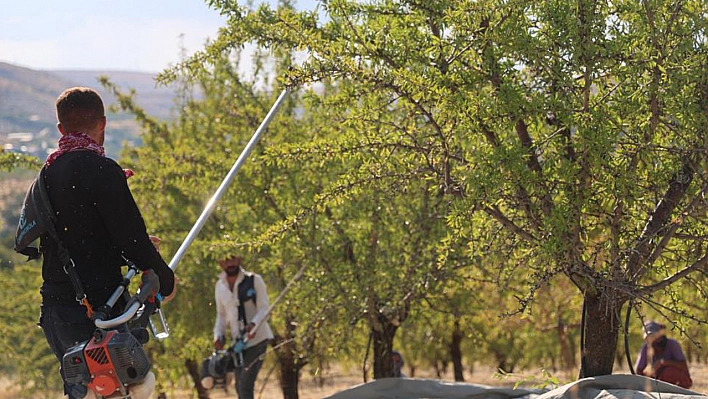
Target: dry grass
x=336, y=380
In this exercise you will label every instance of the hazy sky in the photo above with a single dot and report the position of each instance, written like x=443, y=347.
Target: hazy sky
x=133, y=35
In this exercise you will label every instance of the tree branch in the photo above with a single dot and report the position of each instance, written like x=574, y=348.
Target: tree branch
x=499, y=216
x=699, y=264
x=671, y=229
x=678, y=185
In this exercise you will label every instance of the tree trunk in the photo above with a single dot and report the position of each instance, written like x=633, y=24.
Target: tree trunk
x=690, y=357
x=602, y=325
x=456, y=352
x=383, y=345
x=289, y=370
x=193, y=369
x=566, y=345
x=501, y=358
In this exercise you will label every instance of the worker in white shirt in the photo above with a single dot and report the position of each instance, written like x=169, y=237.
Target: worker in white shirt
x=242, y=307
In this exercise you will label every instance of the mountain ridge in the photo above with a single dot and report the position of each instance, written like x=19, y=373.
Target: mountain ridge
x=27, y=97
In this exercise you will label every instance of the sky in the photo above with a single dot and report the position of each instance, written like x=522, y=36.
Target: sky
x=126, y=35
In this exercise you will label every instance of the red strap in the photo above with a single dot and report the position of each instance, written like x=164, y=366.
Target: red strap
x=89, y=309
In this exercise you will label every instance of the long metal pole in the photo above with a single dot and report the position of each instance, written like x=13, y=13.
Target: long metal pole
x=285, y=290
x=225, y=184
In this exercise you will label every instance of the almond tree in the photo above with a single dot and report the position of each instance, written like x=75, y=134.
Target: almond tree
x=579, y=127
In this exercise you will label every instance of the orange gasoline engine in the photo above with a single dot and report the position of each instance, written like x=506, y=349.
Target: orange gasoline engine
x=114, y=358
x=108, y=363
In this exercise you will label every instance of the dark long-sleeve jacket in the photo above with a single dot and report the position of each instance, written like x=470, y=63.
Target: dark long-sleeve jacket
x=99, y=223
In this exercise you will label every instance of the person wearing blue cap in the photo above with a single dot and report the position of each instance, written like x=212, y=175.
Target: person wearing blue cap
x=662, y=358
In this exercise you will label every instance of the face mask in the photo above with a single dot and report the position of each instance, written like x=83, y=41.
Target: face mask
x=232, y=271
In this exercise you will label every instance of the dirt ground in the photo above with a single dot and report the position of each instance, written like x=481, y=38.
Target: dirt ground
x=336, y=380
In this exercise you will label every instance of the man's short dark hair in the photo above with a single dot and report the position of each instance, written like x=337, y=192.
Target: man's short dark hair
x=79, y=108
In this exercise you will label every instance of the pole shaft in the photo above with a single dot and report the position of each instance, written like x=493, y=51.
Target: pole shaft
x=226, y=182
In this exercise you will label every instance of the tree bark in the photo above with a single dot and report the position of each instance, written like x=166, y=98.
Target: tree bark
x=289, y=371
x=456, y=352
x=602, y=325
x=501, y=358
x=383, y=345
x=193, y=370
x=566, y=345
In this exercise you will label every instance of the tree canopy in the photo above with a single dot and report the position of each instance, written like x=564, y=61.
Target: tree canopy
x=577, y=126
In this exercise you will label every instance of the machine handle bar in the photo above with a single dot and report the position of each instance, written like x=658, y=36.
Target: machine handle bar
x=148, y=291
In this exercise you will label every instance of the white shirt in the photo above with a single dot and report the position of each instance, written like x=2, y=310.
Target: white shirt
x=227, y=309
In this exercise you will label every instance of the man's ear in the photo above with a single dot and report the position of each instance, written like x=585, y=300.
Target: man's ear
x=60, y=128
x=102, y=123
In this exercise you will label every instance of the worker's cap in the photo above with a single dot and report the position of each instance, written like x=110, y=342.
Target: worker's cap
x=652, y=327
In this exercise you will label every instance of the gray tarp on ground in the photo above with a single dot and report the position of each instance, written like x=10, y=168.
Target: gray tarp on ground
x=620, y=386
x=415, y=388
x=616, y=386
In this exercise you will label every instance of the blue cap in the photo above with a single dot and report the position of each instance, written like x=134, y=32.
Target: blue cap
x=652, y=327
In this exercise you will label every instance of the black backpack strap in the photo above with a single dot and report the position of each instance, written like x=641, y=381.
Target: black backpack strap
x=246, y=292
x=70, y=269
x=67, y=262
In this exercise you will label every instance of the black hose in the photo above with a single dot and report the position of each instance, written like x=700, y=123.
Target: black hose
x=630, y=304
x=582, y=338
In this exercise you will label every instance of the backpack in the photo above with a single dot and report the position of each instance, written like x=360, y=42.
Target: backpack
x=37, y=218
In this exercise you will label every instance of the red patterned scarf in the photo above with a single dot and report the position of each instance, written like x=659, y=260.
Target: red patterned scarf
x=79, y=141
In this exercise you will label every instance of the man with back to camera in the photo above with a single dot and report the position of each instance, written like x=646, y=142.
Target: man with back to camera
x=242, y=305
x=98, y=222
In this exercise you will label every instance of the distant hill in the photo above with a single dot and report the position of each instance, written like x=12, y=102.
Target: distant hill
x=156, y=100
x=27, y=116
x=27, y=98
